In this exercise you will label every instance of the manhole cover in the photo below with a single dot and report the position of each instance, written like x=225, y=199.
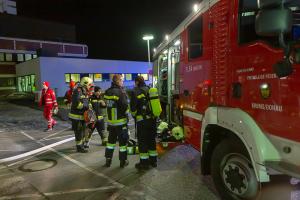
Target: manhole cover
x=38, y=165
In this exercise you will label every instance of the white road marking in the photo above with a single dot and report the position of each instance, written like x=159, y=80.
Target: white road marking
x=81, y=165
x=48, y=194
x=28, y=158
x=51, y=135
x=35, y=151
x=55, y=138
x=30, y=137
x=10, y=150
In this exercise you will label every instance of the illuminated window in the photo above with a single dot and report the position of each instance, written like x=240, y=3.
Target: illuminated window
x=91, y=76
x=28, y=57
x=33, y=84
x=2, y=57
x=111, y=76
x=97, y=77
x=128, y=77
x=20, y=57
x=75, y=77
x=145, y=76
x=8, y=57
x=67, y=78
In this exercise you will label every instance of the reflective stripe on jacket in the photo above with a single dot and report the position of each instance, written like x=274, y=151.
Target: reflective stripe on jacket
x=48, y=98
x=117, y=105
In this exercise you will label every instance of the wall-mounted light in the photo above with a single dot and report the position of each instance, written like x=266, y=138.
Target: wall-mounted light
x=177, y=43
x=196, y=7
x=167, y=37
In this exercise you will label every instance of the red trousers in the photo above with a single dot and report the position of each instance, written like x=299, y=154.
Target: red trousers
x=48, y=116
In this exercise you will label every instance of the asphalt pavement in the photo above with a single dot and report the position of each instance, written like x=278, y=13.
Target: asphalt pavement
x=45, y=165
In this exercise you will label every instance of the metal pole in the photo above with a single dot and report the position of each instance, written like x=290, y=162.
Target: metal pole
x=149, y=59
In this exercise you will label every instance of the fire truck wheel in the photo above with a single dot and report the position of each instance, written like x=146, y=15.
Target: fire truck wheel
x=232, y=171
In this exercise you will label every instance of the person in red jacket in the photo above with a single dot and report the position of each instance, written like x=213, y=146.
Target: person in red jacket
x=48, y=100
x=68, y=95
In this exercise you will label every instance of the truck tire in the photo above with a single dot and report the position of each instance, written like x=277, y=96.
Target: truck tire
x=232, y=171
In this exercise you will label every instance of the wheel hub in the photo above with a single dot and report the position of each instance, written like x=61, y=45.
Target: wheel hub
x=235, y=178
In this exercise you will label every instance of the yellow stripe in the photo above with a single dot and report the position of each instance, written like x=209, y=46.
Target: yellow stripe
x=111, y=97
x=80, y=106
x=100, y=117
x=141, y=96
x=96, y=101
x=74, y=116
x=117, y=122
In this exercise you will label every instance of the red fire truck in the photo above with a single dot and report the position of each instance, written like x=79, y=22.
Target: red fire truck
x=229, y=74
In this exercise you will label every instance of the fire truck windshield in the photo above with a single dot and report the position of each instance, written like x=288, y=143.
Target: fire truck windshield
x=247, y=13
x=296, y=23
x=247, y=34
x=296, y=32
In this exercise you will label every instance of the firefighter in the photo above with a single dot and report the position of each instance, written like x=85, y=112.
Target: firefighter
x=117, y=110
x=98, y=105
x=68, y=95
x=80, y=103
x=146, y=124
x=48, y=100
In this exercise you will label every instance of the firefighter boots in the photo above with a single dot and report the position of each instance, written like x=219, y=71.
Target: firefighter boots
x=124, y=163
x=141, y=166
x=108, y=162
x=80, y=149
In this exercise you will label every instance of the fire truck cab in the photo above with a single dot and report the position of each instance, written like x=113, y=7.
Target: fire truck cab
x=229, y=74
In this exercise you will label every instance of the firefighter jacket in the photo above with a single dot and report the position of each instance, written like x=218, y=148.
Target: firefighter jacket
x=48, y=98
x=139, y=104
x=80, y=103
x=117, y=105
x=68, y=96
x=97, y=106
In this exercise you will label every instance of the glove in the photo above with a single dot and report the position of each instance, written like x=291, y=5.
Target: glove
x=55, y=111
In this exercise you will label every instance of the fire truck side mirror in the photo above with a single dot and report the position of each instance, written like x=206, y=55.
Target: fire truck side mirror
x=273, y=22
x=283, y=68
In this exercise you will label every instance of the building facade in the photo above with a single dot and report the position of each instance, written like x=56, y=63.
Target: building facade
x=59, y=72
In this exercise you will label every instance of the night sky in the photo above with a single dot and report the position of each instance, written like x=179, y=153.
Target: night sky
x=112, y=29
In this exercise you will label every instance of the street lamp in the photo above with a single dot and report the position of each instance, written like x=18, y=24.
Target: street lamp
x=148, y=38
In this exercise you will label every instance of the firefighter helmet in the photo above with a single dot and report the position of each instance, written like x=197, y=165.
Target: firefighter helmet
x=162, y=126
x=177, y=133
x=86, y=82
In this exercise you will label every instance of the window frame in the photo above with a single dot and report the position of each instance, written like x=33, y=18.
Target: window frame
x=200, y=17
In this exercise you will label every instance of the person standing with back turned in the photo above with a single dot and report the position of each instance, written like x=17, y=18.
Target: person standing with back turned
x=141, y=110
x=117, y=119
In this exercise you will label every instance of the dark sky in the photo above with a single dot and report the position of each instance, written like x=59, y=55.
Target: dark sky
x=112, y=29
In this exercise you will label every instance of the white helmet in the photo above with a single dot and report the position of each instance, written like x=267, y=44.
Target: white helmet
x=86, y=82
